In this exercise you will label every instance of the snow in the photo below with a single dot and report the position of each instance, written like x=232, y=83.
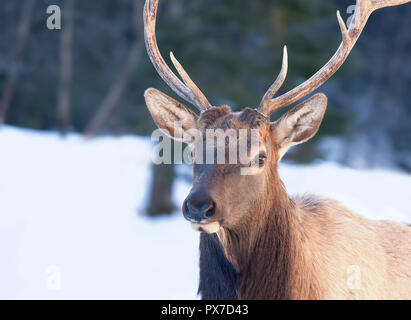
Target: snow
x=71, y=222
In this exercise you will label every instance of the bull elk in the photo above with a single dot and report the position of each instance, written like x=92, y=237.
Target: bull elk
x=256, y=241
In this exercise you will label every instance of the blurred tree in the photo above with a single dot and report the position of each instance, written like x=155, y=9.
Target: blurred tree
x=377, y=95
x=66, y=67
x=232, y=50
x=161, y=202
x=16, y=58
x=117, y=90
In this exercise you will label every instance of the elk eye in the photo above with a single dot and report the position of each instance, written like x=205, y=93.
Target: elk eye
x=258, y=161
x=261, y=159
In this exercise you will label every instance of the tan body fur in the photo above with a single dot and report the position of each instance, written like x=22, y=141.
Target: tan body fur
x=333, y=239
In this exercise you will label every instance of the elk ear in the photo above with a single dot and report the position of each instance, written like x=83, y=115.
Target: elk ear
x=300, y=123
x=172, y=117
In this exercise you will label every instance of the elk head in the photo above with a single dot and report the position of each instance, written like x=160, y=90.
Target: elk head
x=221, y=195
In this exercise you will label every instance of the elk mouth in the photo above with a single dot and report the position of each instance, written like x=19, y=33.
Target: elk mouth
x=211, y=227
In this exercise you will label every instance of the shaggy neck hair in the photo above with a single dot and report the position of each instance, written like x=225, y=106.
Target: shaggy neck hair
x=261, y=258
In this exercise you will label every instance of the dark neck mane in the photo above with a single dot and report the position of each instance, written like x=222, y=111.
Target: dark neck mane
x=261, y=259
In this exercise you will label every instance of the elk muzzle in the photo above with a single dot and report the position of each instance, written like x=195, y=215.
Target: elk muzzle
x=199, y=209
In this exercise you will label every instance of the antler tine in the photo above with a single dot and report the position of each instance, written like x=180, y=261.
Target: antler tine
x=378, y=4
x=187, y=80
x=364, y=9
x=188, y=91
x=264, y=104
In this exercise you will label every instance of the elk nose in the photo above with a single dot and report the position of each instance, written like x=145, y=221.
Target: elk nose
x=198, y=207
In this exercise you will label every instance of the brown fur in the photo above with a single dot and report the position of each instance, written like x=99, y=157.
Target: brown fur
x=302, y=248
x=279, y=247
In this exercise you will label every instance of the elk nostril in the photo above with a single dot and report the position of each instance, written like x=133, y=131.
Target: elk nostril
x=190, y=211
x=209, y=212
x=198, y=208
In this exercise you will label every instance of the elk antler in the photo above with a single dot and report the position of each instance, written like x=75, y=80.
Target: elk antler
x=187, y=90
x=363, y=10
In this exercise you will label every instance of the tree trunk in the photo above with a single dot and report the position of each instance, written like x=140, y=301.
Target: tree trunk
x=66, y=63
x=117, y=90
x=17, y=58
x=161, y=190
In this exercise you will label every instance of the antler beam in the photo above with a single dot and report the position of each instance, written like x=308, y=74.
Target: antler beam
x=187, y=90
x=364, y=8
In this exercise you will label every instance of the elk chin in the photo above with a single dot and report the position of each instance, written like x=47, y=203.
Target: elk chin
x=211, y=227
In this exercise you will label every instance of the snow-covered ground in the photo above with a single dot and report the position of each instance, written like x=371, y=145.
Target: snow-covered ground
x=71, y=223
